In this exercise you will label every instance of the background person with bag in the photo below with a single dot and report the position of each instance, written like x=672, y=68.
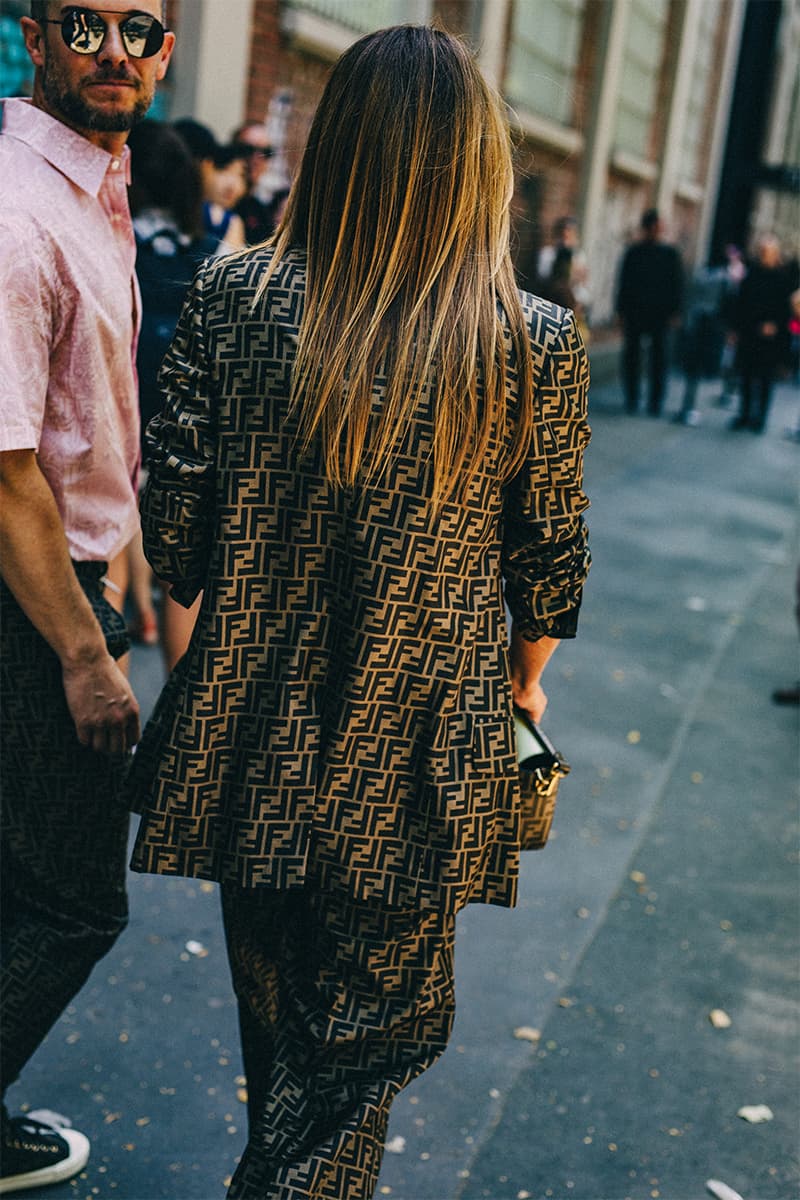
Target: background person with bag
x=69, y=452
x=368, y=434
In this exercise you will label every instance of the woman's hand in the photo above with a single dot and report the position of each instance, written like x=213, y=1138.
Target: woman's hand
x=528, y=660
x=531, y=699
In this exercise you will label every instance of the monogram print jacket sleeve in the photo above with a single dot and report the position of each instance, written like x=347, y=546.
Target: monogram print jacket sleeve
x=178, y=497
x=545, y=551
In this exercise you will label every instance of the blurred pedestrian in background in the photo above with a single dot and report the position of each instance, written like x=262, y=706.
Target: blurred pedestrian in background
x=648, y=303
x=69, y=452
x=761, y=320
x=366, y=430
x=702, y=337
x=256, y=212
x=553, y=257
x=223, y=177
x=166, y=205
x=559, y=287
x=733, y=273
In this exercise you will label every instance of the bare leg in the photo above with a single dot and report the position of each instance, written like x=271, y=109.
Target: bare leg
x=145, y=624
x=177, y=626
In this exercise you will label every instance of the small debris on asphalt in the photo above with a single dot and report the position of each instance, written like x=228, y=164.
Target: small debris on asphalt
x=719, y=1019
x=396, y=1145
x=527, y=1033
x=721, y=1190
x=755, y=1113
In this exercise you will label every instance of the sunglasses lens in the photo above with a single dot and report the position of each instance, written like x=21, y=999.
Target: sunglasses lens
x=143, y=35
x=83, y=31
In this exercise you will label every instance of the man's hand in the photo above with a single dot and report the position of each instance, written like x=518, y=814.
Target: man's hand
x=102, y=705
x=35, y=565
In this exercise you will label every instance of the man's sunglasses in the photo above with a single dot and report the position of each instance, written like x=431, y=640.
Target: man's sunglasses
x=84, y=31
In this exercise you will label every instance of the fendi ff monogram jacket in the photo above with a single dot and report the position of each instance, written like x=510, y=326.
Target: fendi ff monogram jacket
x=343, y=714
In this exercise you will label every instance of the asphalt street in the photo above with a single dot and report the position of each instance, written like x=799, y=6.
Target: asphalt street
x=589, y=1060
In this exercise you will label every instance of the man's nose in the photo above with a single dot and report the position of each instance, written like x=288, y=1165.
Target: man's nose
x=113, y=49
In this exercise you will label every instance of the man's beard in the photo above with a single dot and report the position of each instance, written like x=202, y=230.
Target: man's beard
x=63, y=99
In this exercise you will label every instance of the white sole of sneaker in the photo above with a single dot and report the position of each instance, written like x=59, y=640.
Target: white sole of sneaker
x=75, y=1161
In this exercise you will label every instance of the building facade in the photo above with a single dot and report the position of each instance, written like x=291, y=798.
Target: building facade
x=616, y=105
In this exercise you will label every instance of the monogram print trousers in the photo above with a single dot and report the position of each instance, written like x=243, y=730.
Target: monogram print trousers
x=341, y=1005
x=63, y=849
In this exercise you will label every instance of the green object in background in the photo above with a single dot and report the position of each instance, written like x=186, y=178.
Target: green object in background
x=16, y=71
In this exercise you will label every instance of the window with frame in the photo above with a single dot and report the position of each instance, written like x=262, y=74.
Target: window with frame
x=698, y=102
x=639, y=79
x=543, y=57
x=364, y=16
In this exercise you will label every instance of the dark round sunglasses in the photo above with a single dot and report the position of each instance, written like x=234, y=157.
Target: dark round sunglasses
x=84, y=31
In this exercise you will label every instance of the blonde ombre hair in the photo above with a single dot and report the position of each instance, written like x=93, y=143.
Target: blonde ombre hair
x=401, y=205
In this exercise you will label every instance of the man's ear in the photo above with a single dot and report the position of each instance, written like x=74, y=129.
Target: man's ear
x=166, y=54
x=33, y=34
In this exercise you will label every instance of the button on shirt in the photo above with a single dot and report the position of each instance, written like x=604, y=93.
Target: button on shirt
x=68, y=323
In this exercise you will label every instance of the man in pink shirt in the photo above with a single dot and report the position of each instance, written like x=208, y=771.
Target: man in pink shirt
x=68, y=462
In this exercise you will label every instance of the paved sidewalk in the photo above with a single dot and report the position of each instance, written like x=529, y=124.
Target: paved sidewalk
x=670, y=890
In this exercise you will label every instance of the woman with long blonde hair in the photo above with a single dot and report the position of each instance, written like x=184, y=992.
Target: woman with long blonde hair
x=370, y=440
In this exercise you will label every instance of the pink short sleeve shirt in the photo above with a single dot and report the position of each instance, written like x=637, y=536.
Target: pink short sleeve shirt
x=68, y=323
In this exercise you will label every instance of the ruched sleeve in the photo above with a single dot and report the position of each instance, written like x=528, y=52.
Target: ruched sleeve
x=545, y=551
x=177, y=503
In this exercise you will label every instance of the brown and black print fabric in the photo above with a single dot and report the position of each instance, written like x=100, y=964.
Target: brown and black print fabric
x=342, y=1005
x=343, y=714
x=64, y=847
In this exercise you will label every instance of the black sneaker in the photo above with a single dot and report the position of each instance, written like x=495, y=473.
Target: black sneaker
x=34, y=1155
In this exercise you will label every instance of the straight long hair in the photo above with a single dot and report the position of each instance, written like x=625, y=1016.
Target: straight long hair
x=402, y=206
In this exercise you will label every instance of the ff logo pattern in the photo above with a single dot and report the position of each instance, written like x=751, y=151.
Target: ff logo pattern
x=343, y=715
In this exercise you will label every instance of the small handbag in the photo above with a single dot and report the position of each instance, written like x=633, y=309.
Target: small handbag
x=541, y=769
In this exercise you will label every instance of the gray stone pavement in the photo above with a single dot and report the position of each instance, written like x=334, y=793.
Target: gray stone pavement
x=668, y=891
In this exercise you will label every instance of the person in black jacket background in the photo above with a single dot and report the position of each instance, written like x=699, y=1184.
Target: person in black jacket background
x=649, y=296
x=761, y=323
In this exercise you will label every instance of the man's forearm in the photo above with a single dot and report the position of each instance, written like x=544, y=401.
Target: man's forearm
x=35, y=562
x=35, y=565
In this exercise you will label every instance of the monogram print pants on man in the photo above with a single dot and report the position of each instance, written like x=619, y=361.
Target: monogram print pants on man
x=64, y=842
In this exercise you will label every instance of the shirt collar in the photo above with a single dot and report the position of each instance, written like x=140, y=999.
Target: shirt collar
x=69, y=152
